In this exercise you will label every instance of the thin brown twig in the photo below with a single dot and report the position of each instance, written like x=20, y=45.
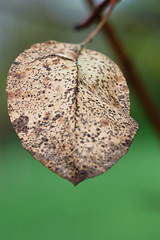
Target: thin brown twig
x=101, y=23
x=98, y=9
x=131, y=73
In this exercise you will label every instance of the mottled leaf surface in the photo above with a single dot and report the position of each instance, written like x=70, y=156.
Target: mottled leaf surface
x=70, y=109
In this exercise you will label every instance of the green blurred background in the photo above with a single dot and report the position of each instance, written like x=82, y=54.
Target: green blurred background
x=123, y=203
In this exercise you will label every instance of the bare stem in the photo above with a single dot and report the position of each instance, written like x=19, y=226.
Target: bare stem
x=98, y=9
x=101, y=24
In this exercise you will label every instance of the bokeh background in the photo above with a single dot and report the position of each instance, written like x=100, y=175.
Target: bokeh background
x=123, y=203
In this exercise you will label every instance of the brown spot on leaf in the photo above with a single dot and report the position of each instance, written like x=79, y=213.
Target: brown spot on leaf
x=28, y=69
x=20, y=124
x=46, y=80
x=57, y=116
x=104, y=122
x=10, y=109
x=19, y=75
x=47, y=115
x=94, y=86
x=111, y=144
x=46, y=66
x=125, y=88
x=58, y=88
x=127, y=143
x=115, y=105
x=13, y=94
x=56, y=61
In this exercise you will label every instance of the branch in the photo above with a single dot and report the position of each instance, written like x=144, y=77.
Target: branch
x=98, y=9
x=103, y=20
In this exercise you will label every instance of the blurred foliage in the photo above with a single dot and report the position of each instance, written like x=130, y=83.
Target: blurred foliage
x=123, y=203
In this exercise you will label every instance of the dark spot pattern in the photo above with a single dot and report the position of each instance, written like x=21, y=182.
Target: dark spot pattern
x=20, y=124
x=70, y=109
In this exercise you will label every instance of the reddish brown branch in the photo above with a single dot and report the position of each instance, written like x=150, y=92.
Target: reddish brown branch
x=96, y=11
x=131, y=73
x=101, y=23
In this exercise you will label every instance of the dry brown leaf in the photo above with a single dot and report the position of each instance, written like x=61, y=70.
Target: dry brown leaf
x=70, y=109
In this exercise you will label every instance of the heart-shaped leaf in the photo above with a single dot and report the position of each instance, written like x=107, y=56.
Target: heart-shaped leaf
x=70, y=109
